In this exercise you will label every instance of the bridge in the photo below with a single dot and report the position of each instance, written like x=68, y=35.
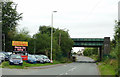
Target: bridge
x=102, y=43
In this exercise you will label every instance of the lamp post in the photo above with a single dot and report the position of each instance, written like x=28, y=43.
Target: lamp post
x=52, y=33
x=4, y=41
x=34, y=44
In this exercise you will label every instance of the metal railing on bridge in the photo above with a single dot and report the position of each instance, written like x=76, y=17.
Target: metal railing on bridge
x=88, y=42
x=88, y=39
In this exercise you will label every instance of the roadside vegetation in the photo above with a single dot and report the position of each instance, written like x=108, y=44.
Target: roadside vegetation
x=40, y=42
x=110, y=64
x=91, y=52
x=108, y=67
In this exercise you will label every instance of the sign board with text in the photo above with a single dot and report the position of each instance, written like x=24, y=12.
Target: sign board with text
x=20, y=47
x=19, y=43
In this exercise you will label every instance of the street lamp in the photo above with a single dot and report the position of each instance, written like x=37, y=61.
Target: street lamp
x=52, y=32
x=4, y=41
x=34, y=44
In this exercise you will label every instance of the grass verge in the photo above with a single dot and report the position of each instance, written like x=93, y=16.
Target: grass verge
x=108, y=67
x=94, y=57
x=6, y=65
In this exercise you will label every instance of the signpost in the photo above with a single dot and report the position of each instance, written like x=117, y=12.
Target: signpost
x=20, y=47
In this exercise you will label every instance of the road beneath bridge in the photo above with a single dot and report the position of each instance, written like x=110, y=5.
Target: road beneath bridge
x=75, y=68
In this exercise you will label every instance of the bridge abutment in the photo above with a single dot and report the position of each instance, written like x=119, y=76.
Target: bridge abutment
x=106, y=48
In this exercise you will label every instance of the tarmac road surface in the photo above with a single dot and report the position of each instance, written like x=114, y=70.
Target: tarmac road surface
x=75, y=68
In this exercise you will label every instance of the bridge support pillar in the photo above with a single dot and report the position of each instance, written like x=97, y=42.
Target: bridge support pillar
x=100, y=53
x=106, y=50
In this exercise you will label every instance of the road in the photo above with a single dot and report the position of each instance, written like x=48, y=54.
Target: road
x=75, y=68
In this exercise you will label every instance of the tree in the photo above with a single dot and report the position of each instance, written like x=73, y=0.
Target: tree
x=116, y=44
x=66, y=42
x=117, y=39
x=22, y=35
x=43, y=42
x=10, y=18
x=90, y=51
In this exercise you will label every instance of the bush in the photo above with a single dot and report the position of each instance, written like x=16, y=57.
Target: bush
x=113, y=55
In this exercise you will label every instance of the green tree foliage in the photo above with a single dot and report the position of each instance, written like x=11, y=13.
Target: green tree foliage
x=22, y=36
x=10, y=18
x=115, y=53
x=116, y=41
x=62, y=43
x=45, y=30
x=90, y=51
x=42, y=43
x=117, y=38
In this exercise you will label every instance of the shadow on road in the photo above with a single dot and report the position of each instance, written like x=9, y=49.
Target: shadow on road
x=84, y=59
x=85, y=62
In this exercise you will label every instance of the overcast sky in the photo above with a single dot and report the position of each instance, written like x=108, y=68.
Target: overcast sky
x=83, y=18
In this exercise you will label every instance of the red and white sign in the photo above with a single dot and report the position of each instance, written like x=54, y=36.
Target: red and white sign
x=19, y=48
x=24, y=57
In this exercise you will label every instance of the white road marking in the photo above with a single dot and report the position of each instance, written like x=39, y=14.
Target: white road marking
x=59, y=75
x=67, y=71
x=72, y=69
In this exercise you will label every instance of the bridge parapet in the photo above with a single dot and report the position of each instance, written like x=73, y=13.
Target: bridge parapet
x=88, y=39
x=88, y=42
